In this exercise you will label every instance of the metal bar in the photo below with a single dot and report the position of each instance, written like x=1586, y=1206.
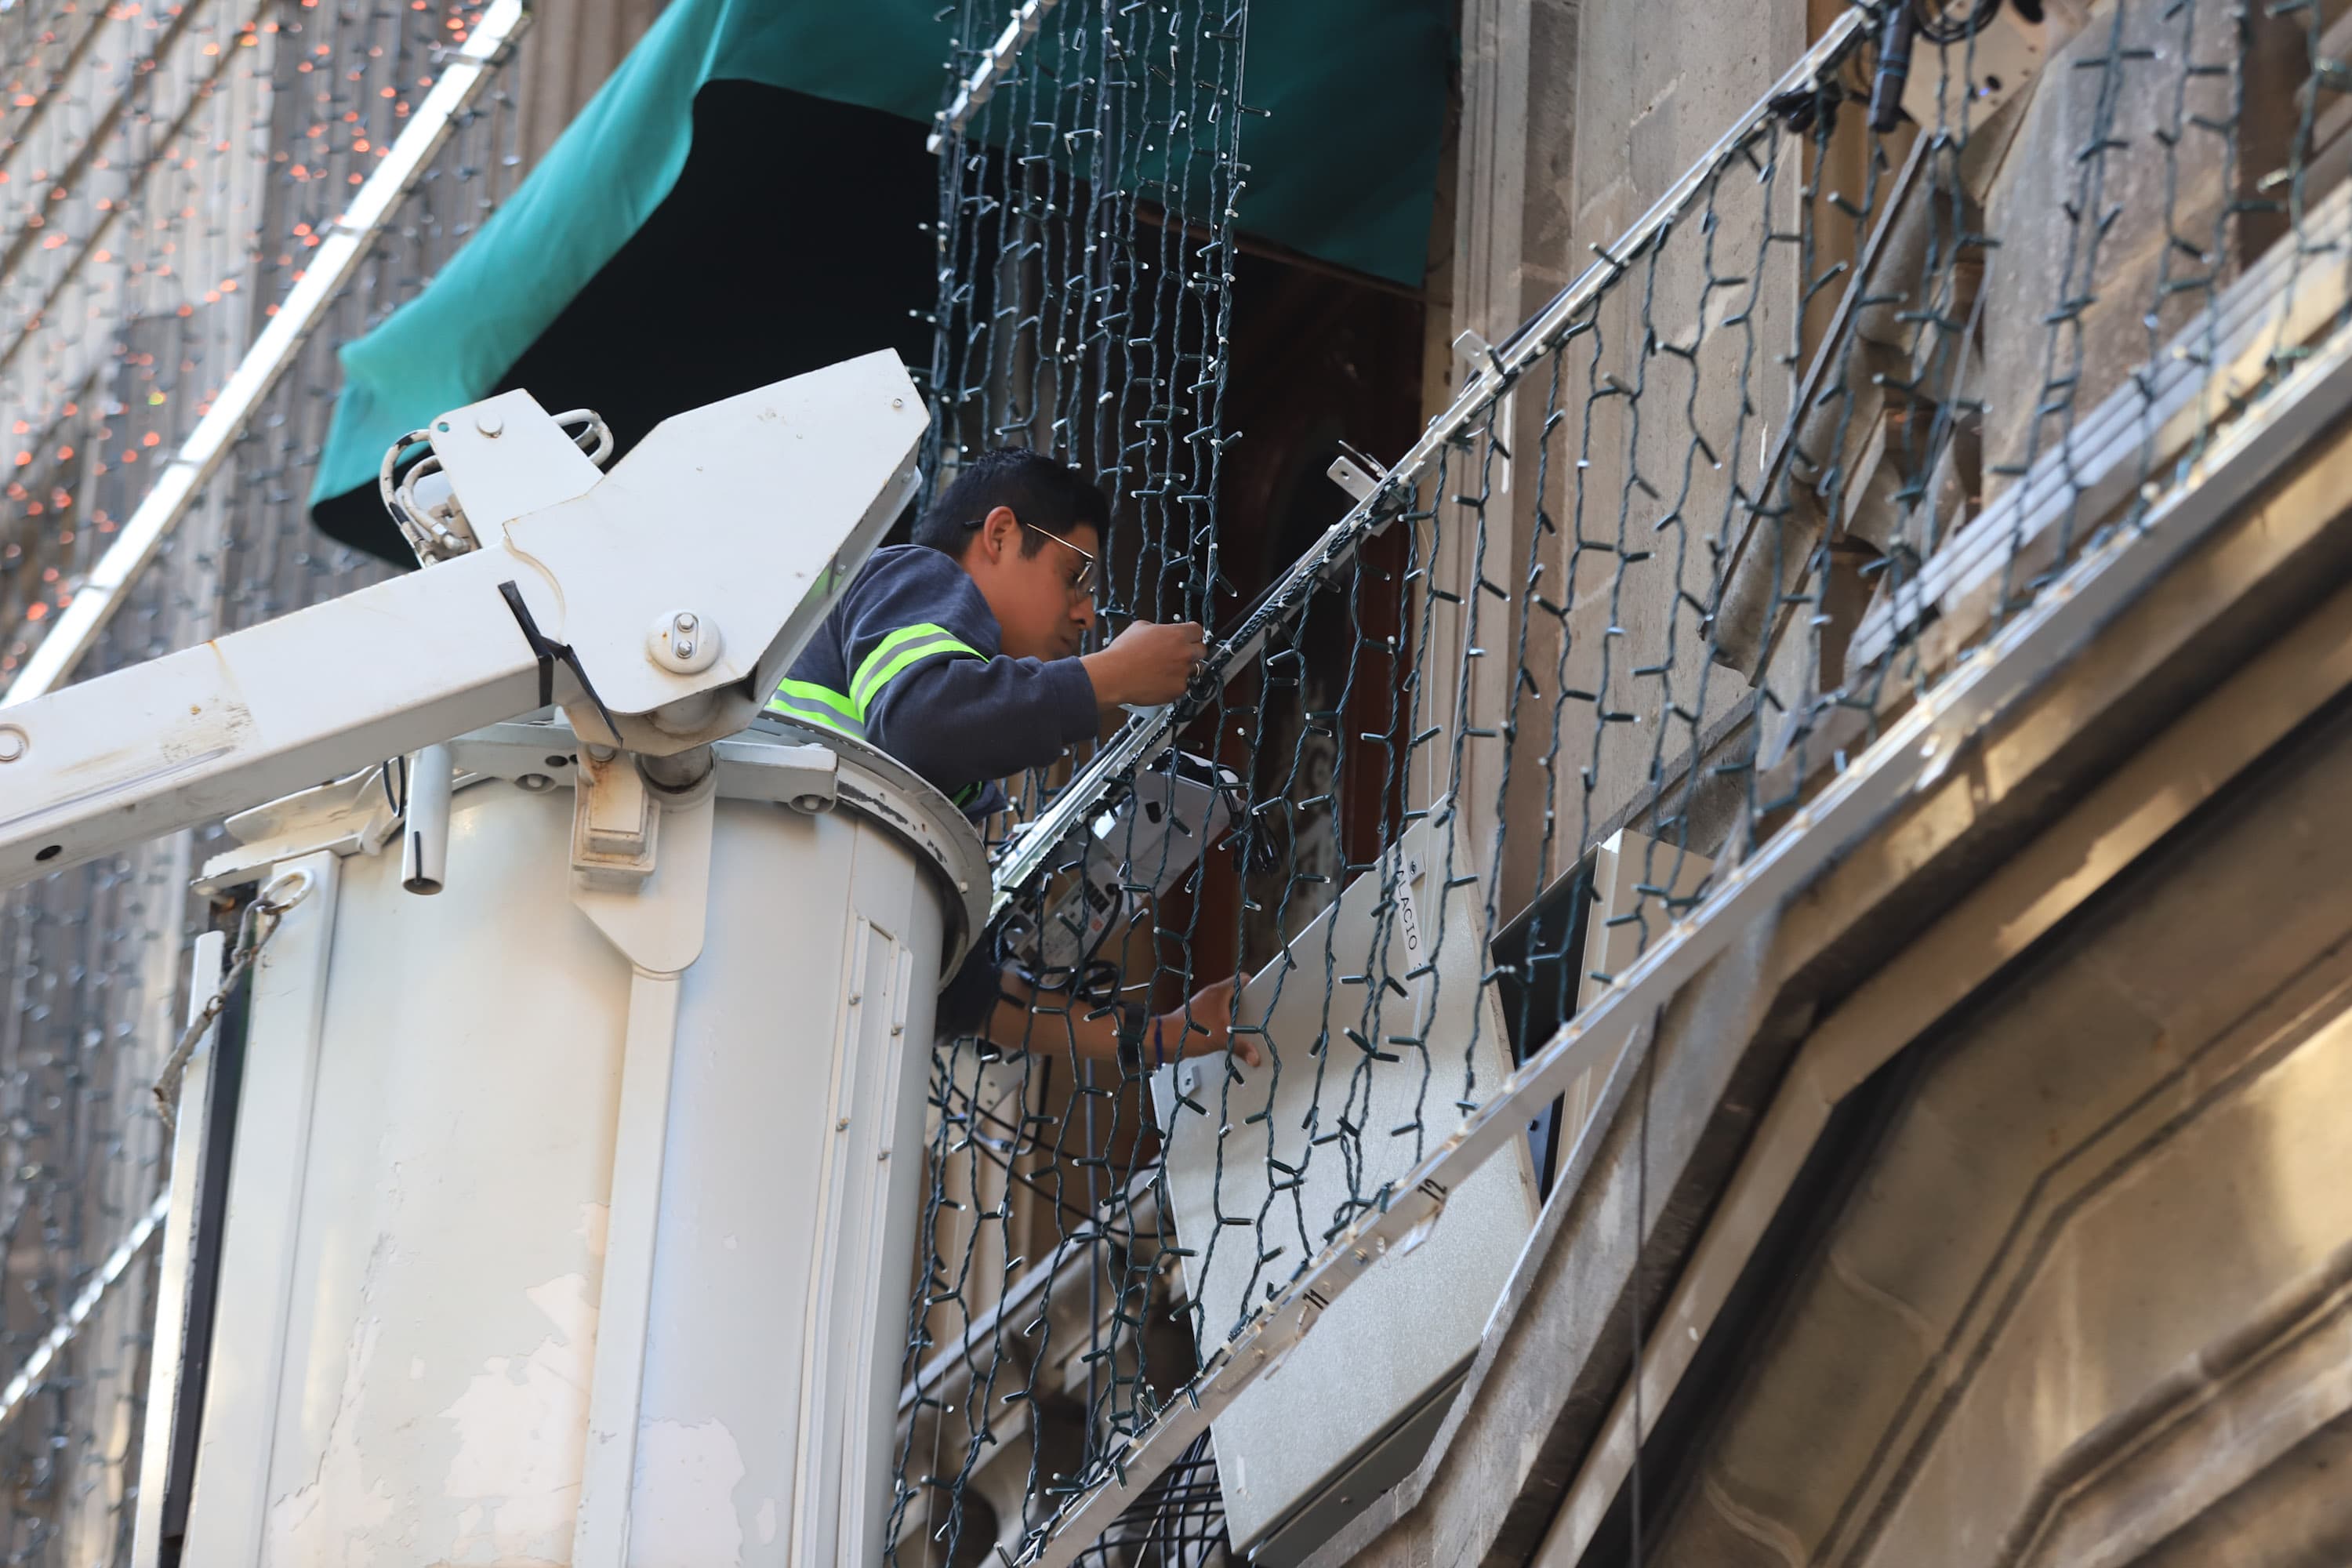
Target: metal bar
x=981, y=85
x=20, y=1387
x=1064, y=1257
x=1911, y=755
x=1836, y=350
x=338, y=256
x=625, y=1300
x=213, y=729
x=1148, y=733
x=167, y=1381
x=2158, y=412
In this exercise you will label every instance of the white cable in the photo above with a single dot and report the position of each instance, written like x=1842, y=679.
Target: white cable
x=13, y=1397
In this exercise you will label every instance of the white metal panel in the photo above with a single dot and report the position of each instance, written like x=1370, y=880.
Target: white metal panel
x=190, y=1135
x=260, y=1280
x=453, y=1209
x=796, y=1233
x=751, y=511
x=1407, y=1329
x=739, y=1221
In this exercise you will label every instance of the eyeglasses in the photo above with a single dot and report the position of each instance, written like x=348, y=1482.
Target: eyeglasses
x=1083, y=582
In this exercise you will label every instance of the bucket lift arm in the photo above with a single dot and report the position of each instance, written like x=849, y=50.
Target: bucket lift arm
x=659, y=603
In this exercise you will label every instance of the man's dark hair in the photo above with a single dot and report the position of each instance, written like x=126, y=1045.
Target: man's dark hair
x=1042, y=493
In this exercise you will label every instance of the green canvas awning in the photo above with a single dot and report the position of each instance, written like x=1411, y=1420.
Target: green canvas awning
x=1342, y=167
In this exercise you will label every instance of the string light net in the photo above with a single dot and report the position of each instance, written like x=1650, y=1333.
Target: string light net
x=1086, y=271
x=1086, y=267
x=1833, y=415
x=164, y=172
x=1752, y=488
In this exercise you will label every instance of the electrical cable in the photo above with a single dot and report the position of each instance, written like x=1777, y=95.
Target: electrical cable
x=399, y=805
x=1909, y=20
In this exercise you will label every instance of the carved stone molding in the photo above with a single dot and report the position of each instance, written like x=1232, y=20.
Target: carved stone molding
x=2089, y=1294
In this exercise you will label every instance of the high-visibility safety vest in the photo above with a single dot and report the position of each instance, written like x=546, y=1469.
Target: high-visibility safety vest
x=909, y=660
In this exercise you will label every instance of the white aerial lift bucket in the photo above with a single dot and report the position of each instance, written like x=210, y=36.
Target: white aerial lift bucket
x=534, y=1221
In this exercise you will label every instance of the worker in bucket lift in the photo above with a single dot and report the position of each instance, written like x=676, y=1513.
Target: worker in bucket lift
x=958, y=655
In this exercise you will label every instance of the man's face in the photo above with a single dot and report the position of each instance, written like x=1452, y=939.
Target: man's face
x=1044, y=600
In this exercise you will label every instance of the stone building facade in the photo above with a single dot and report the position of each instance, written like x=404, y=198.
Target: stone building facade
x=1979, y=1203
x=1981, y=1206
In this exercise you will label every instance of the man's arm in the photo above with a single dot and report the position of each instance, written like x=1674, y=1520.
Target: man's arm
x=926, y=683
x=1027, y=1019
x=952, y=714
x=968, y=718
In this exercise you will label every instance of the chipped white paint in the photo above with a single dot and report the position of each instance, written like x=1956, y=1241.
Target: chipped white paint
x=595, y=1223
x=332, y=1518
x=685, y=1515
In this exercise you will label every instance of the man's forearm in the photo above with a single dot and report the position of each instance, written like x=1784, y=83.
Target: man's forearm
x=1024, y=1020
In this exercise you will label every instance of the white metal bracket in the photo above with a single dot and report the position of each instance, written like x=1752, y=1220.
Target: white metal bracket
x=657, y=920
x=741, y=513
x=1359, y=475
x=615, y=821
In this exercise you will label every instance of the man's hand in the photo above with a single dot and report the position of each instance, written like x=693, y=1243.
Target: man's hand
x=1212, y=1008
x=1147, y=664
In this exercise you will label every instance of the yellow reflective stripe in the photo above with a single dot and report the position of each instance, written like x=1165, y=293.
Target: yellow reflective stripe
x=817, y=721
x=808, y=691
x=814, y=716
x=915, y=655
x=883, y=650
x=909, y=644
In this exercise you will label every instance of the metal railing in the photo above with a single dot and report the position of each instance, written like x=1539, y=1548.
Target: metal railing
x=1739, y=541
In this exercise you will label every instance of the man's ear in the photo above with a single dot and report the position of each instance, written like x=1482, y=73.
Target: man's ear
x=997, y=535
